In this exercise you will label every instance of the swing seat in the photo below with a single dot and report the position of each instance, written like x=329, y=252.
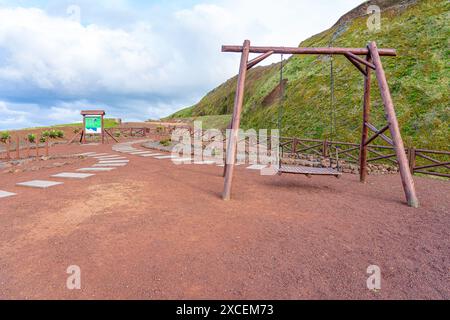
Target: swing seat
x=308, y=171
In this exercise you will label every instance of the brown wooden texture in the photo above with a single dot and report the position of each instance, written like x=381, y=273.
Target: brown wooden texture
x=407, y=180
x=326, y=51
x=232, y=143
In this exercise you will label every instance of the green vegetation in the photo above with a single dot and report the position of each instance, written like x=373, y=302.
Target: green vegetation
x=419, y=79
x=109, y=123
x=31, y=138
x=211, y=122
x=4, y=136
x=53, y=134
x=165, y=142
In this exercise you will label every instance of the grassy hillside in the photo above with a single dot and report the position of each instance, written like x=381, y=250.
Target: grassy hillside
x=419, y=79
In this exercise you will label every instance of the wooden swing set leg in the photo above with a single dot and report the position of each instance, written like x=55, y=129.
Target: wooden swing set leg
x=407, y=180
x=365, y=129
x=232, y=141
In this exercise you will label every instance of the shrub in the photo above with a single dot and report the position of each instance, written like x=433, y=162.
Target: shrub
x=159, y=129
x=31, y=138
x=46, y=134
x=4, y=136
x=43, y=139
x=166, y=142
x=60, y=134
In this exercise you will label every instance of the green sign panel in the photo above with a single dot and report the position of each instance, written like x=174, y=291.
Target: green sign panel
x=93, y=125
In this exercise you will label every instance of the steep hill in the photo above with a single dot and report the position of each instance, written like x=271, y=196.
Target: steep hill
x=419, y=78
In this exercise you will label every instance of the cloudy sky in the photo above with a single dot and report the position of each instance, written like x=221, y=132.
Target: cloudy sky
x=136, y=59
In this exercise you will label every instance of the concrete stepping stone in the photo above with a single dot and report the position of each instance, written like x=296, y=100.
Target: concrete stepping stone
x=257, y=167
x=182, y=160
x=110, y=157
x=41, y=184
x=73, y=175
x=165, y=157
x=110, y=165
x=5, y=194
x=114, y=161
x=204, y=162
x=98, y=155
x=96, y=169
x=151, y=155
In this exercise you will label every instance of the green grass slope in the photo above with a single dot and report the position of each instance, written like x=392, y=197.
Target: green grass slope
x=418, y=77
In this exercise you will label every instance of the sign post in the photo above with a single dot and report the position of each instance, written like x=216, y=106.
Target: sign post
x=93, y=123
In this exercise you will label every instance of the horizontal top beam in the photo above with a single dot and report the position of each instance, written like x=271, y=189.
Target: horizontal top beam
x=93, y=113
x=327, y=51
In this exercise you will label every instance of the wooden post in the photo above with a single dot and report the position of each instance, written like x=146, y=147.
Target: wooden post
x=238, y=102
x=46, y=147
x=8, y=149
x=325, y=148
x=83, y=133
x=28, y=147
x=103, y=130
x=412, y=159
x=407, y=180
x=18, y=146
x=365, y=129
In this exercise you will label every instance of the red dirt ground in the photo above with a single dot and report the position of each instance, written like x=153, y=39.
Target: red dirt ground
x=154, y=230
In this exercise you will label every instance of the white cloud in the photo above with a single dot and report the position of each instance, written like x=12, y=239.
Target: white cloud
x=148, y=68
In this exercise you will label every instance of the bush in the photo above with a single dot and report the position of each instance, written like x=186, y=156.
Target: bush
x=159, y=129
x=60, y=134
x=43, y=139
x=166, y=142
x=31, y=138
x=4, y=136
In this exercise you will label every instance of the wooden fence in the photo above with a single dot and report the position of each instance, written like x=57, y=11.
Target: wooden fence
x=21, y=147
x=423, y=161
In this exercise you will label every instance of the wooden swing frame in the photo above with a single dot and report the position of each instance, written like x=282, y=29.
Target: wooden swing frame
x=372, y=62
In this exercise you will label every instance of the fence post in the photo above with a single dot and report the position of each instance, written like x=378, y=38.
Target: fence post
x=18, y=146
x=412, y=159
x=8, y=149
x=28, y=146
x=325, y=148
x=46, y=147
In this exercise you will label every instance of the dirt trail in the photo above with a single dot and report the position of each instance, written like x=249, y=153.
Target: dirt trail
x=154, y=230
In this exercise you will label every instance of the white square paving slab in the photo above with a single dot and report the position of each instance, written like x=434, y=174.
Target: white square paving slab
x=96, y=169
x=73, y=175
x=151, y=155
x=257, y=167
x=139, y=152
x=165, y=157
x=110, y=165
x=110, y=157
x=98, y=155
x=181, y=159
x=114, y=161
x=207, y=162
x=5, y=194
x=42, y=184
